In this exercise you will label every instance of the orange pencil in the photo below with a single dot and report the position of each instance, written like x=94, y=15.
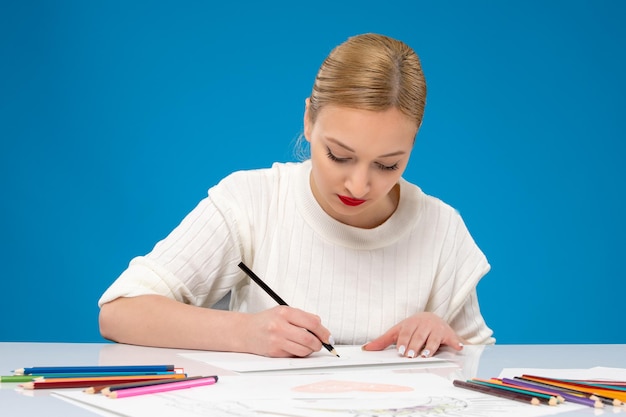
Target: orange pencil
x=589, y=389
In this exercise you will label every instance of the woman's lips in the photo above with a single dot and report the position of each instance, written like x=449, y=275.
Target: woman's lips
x=350, y=201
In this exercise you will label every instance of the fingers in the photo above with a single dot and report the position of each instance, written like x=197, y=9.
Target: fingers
x=423, y=334
x=382, y=342
x=313, y=324
x=426, y=342
x=419, y=344
x=443, y=335
x=289, y=332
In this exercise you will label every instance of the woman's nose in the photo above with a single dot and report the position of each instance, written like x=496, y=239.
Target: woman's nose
x=358, y=182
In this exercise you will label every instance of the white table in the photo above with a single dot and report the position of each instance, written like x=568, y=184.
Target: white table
x=475, y=362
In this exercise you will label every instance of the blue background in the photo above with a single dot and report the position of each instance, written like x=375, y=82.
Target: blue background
x=117, y=116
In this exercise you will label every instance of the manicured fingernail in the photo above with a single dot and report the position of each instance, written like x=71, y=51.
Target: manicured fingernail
x=411, y=353
x=331, y=340
x=460, y=345
x=425, y=353
x=401, y=350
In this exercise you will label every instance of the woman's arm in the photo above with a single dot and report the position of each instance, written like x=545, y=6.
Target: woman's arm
x=154, y=320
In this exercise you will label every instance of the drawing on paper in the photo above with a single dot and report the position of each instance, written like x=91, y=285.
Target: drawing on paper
x=336, y=399
x=430, y=407
x=442, y=406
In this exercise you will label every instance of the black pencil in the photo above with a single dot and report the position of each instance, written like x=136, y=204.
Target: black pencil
x=279, y=300
x=107, y=389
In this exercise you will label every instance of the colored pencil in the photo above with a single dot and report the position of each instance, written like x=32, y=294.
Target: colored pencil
x=154, y=389
x=17, y=378
x=554, y=391
x=98, y=374
x=497, y=392
x=542, y=398
x=598, y=381
x=608, y=401
x=528, y=387
x=603, y=386
x=94, y=369
x=589, y=389
x=126, y=378
x=107, y=389
x=279, y=300
x=89, y=382
x=575, y=392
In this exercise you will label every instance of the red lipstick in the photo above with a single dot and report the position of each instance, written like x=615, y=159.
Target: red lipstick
x=351, y=201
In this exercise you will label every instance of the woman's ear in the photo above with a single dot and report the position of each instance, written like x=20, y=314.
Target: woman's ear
x=307, y=120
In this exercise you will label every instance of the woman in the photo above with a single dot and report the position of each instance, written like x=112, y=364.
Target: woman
x=361, y=253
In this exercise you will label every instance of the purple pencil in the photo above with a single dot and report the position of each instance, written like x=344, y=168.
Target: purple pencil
x=566, y=396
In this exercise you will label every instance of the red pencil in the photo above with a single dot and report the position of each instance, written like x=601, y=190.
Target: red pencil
x=90, y=382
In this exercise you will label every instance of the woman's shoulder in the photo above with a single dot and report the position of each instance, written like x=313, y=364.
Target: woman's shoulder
x=259, y=181
x=414, y=196
x=277, y=171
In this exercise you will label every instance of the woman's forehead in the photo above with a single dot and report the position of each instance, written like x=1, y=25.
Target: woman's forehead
x=354, y=127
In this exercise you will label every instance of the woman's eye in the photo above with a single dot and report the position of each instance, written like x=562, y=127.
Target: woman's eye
x=334, y=158
x=387, y=167
x=380, y=166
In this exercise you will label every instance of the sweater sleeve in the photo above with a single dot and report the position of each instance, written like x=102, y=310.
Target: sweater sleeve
x=453, y=295
x=470, y=325
x=195, y=264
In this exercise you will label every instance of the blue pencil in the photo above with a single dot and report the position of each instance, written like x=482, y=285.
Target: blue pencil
x=93, y=374
x=93, y=369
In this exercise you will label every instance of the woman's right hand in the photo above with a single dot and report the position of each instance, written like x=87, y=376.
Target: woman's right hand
x=282, y=332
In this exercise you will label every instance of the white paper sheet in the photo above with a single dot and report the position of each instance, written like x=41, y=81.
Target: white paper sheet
x=363, y=394
x=92, y=408
x=350, y=356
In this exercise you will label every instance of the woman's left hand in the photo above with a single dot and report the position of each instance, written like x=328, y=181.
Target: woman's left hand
x=421, y=334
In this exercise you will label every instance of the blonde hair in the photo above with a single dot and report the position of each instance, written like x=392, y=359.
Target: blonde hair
x=371, y=72
x=368, y=72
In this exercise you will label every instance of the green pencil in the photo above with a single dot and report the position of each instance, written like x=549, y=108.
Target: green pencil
x=17, y=378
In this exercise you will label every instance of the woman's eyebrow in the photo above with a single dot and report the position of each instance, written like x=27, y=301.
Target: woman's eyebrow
x=336, y=142
x=346, y=147
x=396, y=153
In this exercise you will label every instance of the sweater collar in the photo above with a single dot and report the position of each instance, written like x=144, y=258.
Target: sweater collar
x=400, y=222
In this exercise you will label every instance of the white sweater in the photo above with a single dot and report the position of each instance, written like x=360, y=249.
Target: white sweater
x=360, y=282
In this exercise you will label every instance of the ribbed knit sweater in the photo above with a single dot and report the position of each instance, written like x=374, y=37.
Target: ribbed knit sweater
x=359, y=281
